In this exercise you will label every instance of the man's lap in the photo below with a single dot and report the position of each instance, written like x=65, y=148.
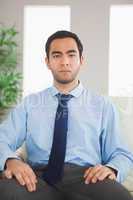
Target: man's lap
x=10, y=189
x=102, y=190
x=72, y=187
x=105, y=190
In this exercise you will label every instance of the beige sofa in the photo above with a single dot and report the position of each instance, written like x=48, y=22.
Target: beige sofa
x=128, y=183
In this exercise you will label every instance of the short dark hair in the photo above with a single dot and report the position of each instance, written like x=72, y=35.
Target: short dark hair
x=63, y=34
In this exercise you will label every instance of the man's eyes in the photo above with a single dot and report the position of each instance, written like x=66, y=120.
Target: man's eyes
x=56, y=55
x=72, y=55
x=59, y=55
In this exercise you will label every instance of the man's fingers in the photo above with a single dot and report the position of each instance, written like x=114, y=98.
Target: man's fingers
x=7, y=174
x=19, y=178
x=90, y=174
x=24, y=178
x=91, y=170
x=29, y=182
x=98, y=173
x=32, y=175
x=87, y=171
x=112, y=177
x=22, y=172
x=94, y=179
x=104, y=174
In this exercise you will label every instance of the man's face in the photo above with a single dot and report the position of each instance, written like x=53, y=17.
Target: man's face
x=64, y=60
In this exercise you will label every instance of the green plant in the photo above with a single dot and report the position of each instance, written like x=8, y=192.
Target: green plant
x=10, y=78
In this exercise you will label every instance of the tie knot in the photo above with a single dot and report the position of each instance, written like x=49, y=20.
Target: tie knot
x=64, y=98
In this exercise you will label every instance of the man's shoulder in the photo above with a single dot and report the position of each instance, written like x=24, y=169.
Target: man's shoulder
x=36, y=99
x=94, y=96
x=38, y=94
x=98, y=99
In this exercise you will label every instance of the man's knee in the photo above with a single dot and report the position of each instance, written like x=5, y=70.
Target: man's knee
x=11, y=189
x=114, y=190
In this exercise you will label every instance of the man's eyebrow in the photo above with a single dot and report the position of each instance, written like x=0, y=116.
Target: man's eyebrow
x=56, y=52
x=72, y=51
x=59, y=52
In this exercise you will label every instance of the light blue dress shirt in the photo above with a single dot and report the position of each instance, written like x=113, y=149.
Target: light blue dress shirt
x=93, y=131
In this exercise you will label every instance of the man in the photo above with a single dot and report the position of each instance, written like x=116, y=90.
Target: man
x=72, y=137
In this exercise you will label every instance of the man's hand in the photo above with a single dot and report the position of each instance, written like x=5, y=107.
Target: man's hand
x=98, y=173
x=22, y=172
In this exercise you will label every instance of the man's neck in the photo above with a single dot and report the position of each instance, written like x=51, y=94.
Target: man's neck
x=66, y=88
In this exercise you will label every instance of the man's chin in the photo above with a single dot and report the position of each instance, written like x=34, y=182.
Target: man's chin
x=65, y=81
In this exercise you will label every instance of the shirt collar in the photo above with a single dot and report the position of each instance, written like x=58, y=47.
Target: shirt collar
x=76, y=92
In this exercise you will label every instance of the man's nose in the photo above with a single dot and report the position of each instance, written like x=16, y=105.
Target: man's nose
x=65, y=60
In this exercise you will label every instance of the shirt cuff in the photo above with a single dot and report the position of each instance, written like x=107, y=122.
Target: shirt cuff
x=4, y=159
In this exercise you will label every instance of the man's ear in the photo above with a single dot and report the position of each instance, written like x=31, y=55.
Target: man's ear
x=47, y=62
x=82, y=60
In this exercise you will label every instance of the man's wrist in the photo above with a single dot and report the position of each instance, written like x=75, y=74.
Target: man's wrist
x=114, y=170
x=9, y=159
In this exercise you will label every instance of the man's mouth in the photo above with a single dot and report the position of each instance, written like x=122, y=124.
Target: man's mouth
x=65, y=71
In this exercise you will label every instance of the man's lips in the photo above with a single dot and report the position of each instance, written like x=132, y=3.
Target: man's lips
x=64, y=71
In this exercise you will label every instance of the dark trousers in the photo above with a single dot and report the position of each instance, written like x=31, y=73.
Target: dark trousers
x=72, y=187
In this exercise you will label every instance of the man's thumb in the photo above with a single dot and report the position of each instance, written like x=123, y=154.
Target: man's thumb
x=8, y=174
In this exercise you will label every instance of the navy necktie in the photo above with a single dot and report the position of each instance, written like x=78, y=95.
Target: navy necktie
x=54, y=170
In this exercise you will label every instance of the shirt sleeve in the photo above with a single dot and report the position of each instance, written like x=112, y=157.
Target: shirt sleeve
x=114, y=150
x=12, y=134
